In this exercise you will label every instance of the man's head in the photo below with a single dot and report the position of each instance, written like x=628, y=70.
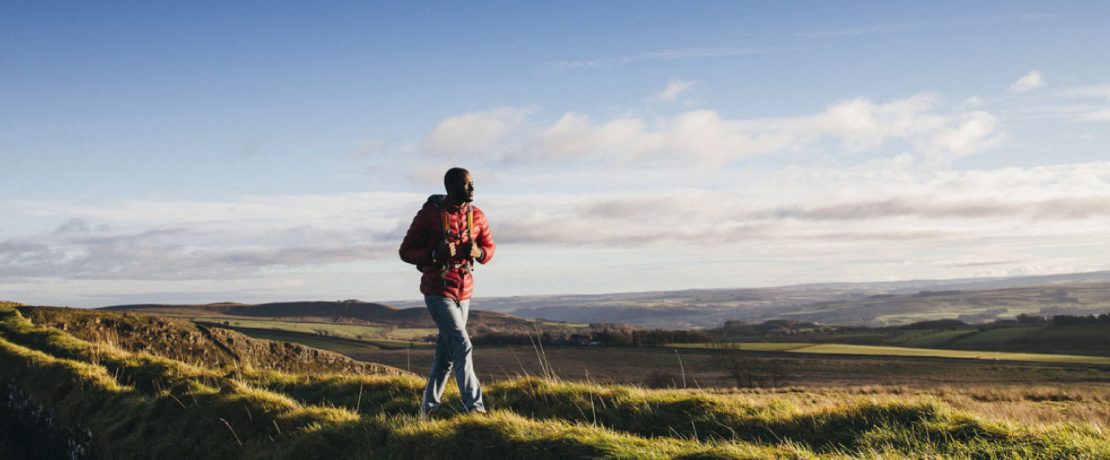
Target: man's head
x=460, y=188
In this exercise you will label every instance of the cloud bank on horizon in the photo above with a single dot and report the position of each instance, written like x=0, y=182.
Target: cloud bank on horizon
x=716, y=165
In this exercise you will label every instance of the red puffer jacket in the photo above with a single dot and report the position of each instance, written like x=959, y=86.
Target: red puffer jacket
x=427, y=232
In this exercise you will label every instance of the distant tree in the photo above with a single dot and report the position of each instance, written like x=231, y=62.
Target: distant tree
x=1073, y=320
x=1030, y=319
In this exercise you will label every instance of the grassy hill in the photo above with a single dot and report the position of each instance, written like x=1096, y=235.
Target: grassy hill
x=348, y=312
x=194, y=343
x=70, y=397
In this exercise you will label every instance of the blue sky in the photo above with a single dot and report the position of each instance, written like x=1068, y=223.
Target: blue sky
x=254, y=151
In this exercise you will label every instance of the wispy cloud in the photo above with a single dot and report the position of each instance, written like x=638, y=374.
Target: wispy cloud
x=675, y=89
x=668, y=55
x=862, y=30
x=1077, y=104
x=913, y=26
x=1030, y=81
x=1069, y=208
x=184, y=253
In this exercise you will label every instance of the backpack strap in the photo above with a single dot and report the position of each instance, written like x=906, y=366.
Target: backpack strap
x=470, y=222
x=470, y=234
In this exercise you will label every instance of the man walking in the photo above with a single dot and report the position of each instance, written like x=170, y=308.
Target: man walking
x=445, y=238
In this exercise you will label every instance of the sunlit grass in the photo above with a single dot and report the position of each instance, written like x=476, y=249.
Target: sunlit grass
x=139, y=403
x=348, y=331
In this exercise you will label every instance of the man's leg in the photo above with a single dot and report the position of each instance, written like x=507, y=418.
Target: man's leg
x=449, y=317
x=437, y=378
x=463, y=362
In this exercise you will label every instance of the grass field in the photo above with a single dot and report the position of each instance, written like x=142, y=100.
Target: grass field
x=701, y=363
x=127, y=403
x=873, y=350
x=1039, y=337
x=348, y=331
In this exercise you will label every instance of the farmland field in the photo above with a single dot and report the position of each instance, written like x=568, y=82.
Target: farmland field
x=872, y=350
x=1036, y=336
x=793, y=363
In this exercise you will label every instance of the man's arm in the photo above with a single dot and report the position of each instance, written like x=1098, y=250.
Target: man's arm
x=483, y=238
x=414, y=248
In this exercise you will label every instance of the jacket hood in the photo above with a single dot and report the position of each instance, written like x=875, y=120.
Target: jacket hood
x=439, y=200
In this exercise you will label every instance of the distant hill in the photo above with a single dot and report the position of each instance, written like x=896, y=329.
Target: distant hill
x=349, y=312
x=874, y=304
x=972, y=306
x=973, y=300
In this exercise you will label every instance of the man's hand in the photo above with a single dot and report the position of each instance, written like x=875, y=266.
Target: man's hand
x=475, y=251
x=445, y=251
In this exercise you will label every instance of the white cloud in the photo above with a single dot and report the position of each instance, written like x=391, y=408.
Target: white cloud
x=705, y=137
x=970, y=134
x=1031, y=81
x=879, y=202
x=473, y=132
x=861, y=124
x=696, y=136
x=675, y=89
x=972, y=102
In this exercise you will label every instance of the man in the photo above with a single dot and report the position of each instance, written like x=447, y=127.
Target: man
x=445, y=238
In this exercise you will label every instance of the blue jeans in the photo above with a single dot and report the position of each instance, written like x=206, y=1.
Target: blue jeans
x=453, y=351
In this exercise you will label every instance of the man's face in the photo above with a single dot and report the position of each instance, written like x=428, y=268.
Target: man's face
x=461, y=190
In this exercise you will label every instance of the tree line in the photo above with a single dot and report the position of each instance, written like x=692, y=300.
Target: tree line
x=595, y=335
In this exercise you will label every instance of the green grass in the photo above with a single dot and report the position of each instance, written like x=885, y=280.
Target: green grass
x=874, y=350
x=337, y=344
x=1046, y=338
x=139, y=404
x=927, y=338
x=994, y=337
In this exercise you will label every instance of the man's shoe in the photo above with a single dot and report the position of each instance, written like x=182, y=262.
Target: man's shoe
x=426, y=414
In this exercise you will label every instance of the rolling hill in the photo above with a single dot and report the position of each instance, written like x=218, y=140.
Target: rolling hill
x=966, y=305
x=871, y=304
x=342, y=312
x=193, y=343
